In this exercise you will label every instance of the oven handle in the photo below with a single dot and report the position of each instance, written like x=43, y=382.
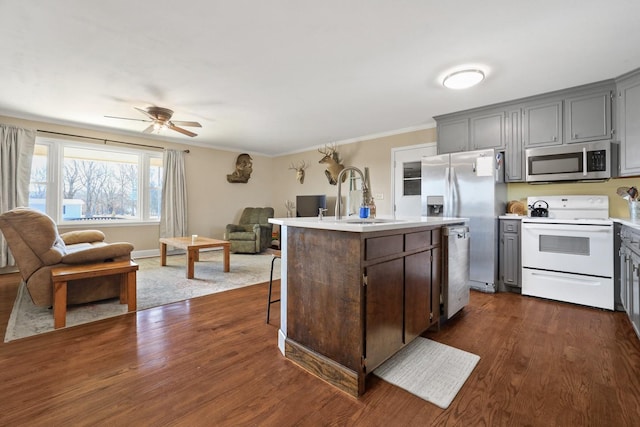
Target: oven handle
x=567, y=227
x=584, y=161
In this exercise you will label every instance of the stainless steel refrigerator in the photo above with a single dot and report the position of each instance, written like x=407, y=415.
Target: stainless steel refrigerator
x=470, y=185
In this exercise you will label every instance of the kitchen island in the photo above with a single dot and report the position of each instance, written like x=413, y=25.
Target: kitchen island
x=354, y=292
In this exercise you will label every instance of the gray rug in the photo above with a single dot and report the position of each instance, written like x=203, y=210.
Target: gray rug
x=432, y=371
x=156, y=286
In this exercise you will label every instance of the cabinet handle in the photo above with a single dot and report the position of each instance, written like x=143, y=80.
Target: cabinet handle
x=555, y=138
x=575, y=136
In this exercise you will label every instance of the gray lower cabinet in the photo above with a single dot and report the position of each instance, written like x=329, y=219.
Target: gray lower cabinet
x=510, y=257
x=628, y=88
x=629, y=259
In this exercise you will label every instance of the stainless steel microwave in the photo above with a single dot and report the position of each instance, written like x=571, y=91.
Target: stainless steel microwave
x=596, y=160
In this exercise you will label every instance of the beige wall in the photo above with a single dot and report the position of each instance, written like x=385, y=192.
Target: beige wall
x=618, y=207
x=212, y=201
x=374, y=153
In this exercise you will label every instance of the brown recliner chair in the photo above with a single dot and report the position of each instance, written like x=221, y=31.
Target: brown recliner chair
x=253, y=233
x=37, y=248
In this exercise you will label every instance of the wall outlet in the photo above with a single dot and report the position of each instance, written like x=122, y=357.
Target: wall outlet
x=378, y=196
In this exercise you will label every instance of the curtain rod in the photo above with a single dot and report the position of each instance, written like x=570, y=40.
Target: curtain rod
x=104, y=140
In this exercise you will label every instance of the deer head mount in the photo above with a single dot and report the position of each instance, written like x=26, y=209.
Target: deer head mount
x=332, y=160
x=299, y=168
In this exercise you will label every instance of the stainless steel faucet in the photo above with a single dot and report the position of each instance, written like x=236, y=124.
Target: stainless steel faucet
x=321, y=212
x=365, y=190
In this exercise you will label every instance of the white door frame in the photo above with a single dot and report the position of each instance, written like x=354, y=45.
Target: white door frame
x=393, y=169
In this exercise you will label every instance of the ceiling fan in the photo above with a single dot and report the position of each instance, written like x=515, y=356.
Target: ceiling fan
x=160, y=118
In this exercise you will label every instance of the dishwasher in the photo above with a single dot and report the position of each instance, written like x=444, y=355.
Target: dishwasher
x=455, y=275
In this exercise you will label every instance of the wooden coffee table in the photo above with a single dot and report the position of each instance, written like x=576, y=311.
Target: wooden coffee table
x=193, y=250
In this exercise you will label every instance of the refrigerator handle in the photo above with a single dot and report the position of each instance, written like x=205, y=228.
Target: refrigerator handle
x=447, y=192
x=453, y=196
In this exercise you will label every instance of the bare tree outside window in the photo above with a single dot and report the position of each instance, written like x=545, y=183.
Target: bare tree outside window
x=98, y=184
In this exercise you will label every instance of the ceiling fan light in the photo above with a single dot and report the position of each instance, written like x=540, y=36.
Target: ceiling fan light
x=463, y=79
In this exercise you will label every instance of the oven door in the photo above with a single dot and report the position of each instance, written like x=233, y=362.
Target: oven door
x=572, y=248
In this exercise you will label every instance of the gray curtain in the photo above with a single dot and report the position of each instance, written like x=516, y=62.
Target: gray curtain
x=173, y=218
x=16, y=152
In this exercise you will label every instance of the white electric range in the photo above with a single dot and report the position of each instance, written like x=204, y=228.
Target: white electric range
x=568, y=255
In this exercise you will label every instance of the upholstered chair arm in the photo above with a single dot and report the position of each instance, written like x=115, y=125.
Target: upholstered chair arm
x=82, y=236
x=263, y=235
x=99, y=253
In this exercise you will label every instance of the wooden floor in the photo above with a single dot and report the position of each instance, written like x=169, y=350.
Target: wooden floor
x=213, y=361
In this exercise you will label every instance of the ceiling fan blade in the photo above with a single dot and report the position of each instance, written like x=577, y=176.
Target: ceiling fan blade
x=183, y=131
x=146, y=113
x=150, y=129
x=189, y=124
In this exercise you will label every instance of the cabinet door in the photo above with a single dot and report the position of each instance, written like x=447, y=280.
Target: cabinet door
x=634, y=292
x=436, y=283
x=629, y=125
x=384, y=311
x=514, y=153
x=510, y=259
x=542, y=124
x=453, y=136
x=624, y=276
x=588, y=117
x=487, y=131
x=417, y=290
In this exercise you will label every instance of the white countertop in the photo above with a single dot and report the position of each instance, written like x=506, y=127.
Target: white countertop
x=511, y=216
x=627, y=221
x=357, y=225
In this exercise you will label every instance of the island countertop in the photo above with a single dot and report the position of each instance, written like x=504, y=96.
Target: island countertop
x=358, y=225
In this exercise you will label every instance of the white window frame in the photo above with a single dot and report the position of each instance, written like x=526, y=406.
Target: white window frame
x=55, y=182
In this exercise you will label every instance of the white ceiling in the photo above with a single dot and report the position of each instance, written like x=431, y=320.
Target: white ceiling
x=279, y=76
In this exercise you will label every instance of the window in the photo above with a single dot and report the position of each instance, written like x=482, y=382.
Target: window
x=74, y=182
x=411, y=178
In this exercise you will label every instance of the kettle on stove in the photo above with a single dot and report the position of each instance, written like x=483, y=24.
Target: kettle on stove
x=537, y=210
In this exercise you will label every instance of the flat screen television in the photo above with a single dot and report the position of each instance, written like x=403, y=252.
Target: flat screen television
x=309, y=205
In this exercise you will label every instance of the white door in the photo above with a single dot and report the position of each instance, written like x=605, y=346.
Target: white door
x=407, y=173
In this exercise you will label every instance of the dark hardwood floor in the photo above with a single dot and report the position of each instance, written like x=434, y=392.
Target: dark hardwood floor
x=213, y=361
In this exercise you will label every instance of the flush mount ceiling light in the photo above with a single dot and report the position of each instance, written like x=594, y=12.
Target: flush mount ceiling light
x=463, y=79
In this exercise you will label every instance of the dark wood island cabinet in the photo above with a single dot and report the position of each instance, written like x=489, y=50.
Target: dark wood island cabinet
x=353, y=299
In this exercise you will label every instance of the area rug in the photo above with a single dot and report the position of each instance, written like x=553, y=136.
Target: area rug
x=432, y=371
x=156, y=286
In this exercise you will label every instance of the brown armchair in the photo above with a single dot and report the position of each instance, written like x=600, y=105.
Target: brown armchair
x=37, y=248
x=253, y=232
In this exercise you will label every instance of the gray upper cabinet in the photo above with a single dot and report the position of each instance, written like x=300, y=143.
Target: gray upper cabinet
x=487, y=130
x=542, y=123
x=514, y=156
x=588, y=116
x=628, y=89
x=453, y=136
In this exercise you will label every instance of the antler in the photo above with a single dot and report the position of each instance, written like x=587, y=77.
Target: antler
x=328, y=150
x=300, y=166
